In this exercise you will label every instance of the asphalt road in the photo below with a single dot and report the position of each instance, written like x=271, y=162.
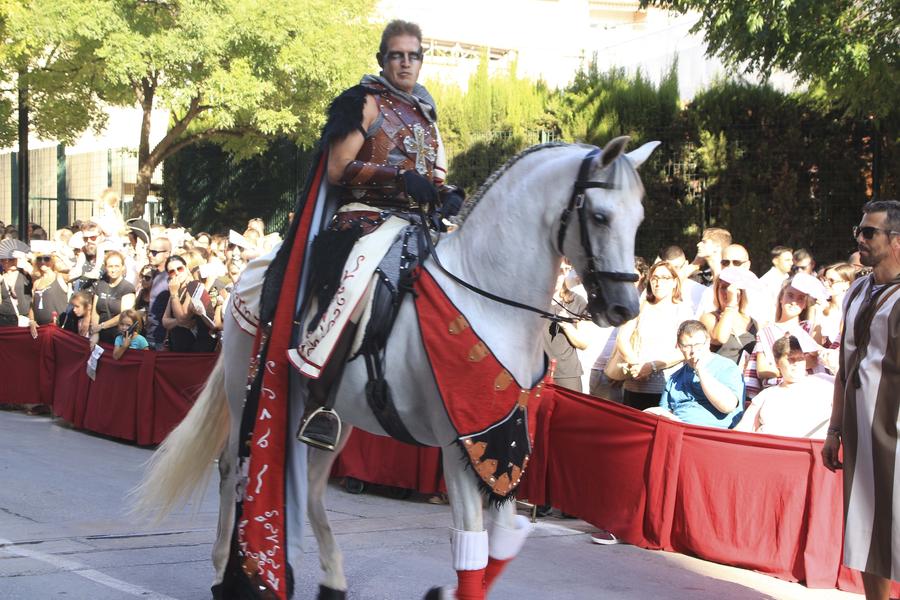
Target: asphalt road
x=64, y=533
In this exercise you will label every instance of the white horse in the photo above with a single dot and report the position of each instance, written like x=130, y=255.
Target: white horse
x=509, y=246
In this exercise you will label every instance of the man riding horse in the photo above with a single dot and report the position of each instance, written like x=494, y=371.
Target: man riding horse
x=384, y=159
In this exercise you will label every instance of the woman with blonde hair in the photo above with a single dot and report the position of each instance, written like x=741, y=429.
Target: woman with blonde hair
x=829, y=317
x=50, y=292
x=108, y=214
x=647, y=344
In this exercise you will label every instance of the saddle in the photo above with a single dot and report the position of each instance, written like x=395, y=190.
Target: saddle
x=394, y=280
x=344, y=282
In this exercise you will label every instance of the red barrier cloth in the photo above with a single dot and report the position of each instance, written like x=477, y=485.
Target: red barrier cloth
x=177, y=381
x=139, y=398
x=385, y=461
x=20, y=356
x=754, y=501
x=71, y=383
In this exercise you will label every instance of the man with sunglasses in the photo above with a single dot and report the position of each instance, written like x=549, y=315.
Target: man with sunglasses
x=384, y=165
x=380, y=164
x=158, y=253
x=89, y=266
x=866, y=405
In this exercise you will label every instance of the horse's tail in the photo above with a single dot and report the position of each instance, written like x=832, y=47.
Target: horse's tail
x=179, y=469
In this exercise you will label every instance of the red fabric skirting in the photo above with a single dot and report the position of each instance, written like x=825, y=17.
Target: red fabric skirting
x=754, y=501
x=760, y=502
x=139, y=398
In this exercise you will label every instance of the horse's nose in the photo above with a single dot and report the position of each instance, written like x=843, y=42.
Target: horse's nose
x=617, y=314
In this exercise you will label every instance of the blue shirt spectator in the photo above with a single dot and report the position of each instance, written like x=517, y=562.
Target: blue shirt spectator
x=708, y=390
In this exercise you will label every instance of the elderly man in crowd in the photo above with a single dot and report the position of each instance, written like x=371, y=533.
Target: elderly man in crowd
x=707, y=389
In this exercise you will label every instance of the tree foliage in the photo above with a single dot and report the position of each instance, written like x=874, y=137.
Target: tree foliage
x=47, y=46
x=848, y=49
x=494, y=118
x=237, y=72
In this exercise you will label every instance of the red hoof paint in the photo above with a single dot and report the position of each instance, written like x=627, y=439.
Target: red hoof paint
x=494, y=567
x=470, y=585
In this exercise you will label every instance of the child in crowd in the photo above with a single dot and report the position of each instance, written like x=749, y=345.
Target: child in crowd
x=130, y=326
x=799, y=406
x=77, y=318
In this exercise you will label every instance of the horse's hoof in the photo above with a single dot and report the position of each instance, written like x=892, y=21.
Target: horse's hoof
x=441, y=593
x=327, y=593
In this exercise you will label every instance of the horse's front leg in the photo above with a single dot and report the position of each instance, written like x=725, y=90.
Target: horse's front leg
x=507, y=535
x=334, y=584
x=468, y=539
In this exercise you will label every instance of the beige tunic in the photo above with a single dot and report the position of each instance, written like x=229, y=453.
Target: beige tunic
x=871, y=476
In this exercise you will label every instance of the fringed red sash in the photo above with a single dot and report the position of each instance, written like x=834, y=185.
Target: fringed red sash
x=486, y=405
x=262, y=538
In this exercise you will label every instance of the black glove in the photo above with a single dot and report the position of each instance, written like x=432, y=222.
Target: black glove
x=451, y=204
x=422, y=190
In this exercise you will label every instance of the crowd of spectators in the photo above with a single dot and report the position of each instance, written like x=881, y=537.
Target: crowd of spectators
x=126, y=284
x=715, y=345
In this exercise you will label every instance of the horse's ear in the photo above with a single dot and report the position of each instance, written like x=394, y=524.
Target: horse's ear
x=613, y=149
x=638, y=156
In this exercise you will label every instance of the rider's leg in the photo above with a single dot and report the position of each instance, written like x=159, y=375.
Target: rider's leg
x=321, y=426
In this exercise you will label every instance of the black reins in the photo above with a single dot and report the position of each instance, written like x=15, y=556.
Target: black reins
x=594, y=276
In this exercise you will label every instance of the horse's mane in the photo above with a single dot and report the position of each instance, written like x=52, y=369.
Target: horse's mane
x=473, y=201
x=492, y=179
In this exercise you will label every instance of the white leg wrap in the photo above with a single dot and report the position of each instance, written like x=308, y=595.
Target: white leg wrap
x=505, y=543
x=469, y=548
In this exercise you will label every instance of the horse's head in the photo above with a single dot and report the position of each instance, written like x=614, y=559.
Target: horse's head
x=598, y=235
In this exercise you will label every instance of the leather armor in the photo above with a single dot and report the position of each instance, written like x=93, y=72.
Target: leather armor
x=402, y=138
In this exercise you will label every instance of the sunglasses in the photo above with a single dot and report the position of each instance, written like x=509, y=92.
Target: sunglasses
x=176, y=270
x=396, y=56
x=43, y=259
x=147, y=277
x=869, y=232
x=728, y=263
x=155, y=252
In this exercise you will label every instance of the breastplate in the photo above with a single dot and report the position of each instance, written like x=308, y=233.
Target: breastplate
x=404, y=138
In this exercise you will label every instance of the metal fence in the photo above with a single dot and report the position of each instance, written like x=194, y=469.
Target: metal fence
x=63, y=184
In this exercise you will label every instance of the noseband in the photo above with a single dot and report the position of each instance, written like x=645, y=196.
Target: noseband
x=578, y=201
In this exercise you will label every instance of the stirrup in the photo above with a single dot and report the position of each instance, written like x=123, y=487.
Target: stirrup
x=321, y=429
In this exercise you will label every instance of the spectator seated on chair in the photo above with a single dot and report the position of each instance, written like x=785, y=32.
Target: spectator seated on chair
x=708, y=389
x=799, y=406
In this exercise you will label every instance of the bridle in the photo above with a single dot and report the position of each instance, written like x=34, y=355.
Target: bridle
x=594, y=276
x=577, y=202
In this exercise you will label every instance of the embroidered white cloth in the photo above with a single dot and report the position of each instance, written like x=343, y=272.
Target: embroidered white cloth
x=316, y=346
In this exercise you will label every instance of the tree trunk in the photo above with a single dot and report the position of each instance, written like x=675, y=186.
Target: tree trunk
x=141, y=189
x=24, y=183
x=145, y=168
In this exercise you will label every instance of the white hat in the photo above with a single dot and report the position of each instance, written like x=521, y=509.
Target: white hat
x=743, y=279
x=809, y=285
x=42, y=247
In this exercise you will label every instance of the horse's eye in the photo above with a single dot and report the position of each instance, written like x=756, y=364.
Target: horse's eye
x=601, y=219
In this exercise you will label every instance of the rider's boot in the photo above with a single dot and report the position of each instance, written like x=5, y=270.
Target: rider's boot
x=321, y=426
